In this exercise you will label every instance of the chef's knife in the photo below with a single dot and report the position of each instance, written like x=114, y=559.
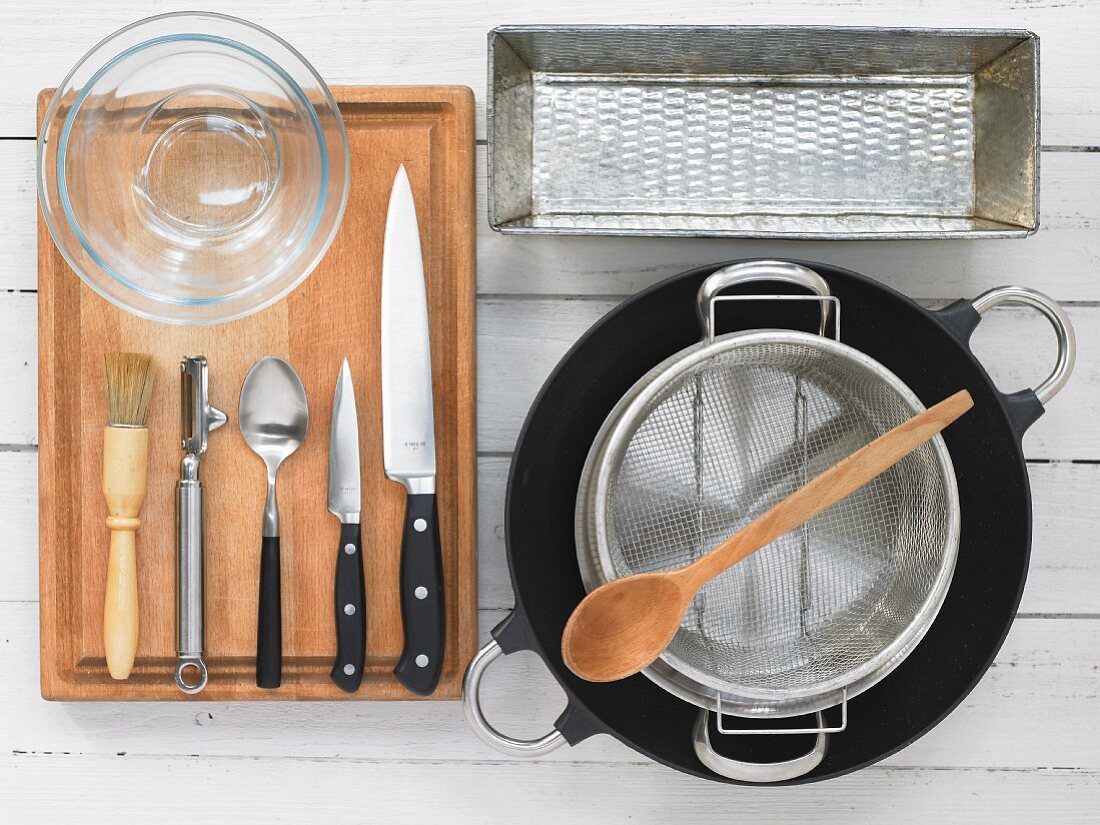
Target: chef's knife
x=344, y=503
x=408, y=439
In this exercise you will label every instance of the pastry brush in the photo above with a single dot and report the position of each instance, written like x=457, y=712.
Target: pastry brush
x=125, y=458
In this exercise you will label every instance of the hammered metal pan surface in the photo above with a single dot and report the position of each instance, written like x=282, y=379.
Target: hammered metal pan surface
x=763, y=131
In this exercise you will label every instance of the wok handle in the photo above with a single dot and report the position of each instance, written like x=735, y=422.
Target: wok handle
x=574, y=725
x=748, y=271
x=962, y=318
x=1059, y=320
x=756, y=771
x=475, y=715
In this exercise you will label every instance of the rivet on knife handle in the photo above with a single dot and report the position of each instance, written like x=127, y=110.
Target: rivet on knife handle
x=421, y=660
x=351, y=611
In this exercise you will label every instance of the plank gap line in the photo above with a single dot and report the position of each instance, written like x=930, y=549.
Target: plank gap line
x=505, y=762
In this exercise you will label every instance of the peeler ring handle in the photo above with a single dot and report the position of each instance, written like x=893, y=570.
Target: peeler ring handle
x=199, y=666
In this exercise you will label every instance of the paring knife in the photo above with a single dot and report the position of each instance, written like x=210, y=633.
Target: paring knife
x=408, y=439
x=344, y=502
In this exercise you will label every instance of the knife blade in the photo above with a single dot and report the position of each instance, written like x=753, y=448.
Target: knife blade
x=344, y=502
x=408, y=439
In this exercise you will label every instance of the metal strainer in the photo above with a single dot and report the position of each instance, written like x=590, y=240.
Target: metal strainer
x=714, y=436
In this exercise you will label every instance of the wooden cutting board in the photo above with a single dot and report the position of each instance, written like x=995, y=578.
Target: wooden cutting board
x=333, y=314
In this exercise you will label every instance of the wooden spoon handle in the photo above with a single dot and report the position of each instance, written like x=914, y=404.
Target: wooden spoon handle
x=836, y=483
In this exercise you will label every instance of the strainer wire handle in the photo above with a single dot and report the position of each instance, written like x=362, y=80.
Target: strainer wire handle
x=821, y=727
x=742, y=273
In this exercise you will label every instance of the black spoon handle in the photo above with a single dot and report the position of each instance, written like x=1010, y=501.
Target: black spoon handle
x=269, y=628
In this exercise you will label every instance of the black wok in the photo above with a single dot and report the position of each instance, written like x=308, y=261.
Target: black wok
x=929, y=351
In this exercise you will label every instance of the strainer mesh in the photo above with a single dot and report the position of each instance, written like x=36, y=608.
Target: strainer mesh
x=731, y=437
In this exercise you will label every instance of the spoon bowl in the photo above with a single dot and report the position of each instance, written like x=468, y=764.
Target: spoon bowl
x=616, y=625
x=274, y=414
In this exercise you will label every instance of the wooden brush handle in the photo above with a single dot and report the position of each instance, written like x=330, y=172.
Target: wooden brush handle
x=125, y=463
x=833, y=485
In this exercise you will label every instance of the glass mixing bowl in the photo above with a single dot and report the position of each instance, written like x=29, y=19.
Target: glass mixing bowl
x=193, y=168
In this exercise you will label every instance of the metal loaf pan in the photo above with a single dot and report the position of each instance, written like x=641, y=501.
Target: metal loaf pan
x=763, y=132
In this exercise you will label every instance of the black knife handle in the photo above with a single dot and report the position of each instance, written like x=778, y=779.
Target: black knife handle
x=351, y=612
x=421, y=659
x=269, y=627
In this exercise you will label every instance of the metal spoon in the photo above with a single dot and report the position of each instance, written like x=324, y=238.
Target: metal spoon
x=273, y=418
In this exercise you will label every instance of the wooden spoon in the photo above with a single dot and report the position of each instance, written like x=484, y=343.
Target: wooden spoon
x=622, y=626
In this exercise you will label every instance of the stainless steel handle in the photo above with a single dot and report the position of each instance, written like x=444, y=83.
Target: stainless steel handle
x=782, y=271
x=1063, y=329
x=820, y=728
x=471, y=706
x=757, y=771
x=189, y=581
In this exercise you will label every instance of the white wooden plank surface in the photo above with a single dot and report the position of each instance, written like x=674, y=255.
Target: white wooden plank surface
x=56, y=788
x=1065, y=565
x=520, y=342
x=1058, y=259
x=1020, y=749
x=1061, y=258
x=1046, y=663
x=421, y=41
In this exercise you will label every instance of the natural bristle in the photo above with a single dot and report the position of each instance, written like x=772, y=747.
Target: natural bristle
x=129, y=388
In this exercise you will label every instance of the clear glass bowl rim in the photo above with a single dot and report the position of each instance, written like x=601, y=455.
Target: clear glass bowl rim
x=86, y=64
